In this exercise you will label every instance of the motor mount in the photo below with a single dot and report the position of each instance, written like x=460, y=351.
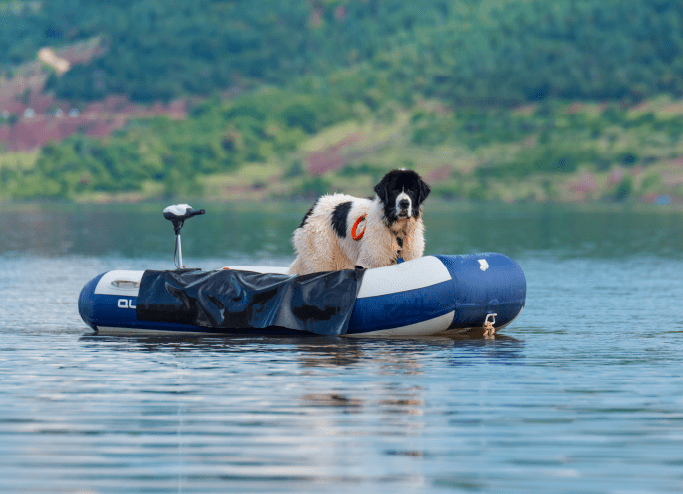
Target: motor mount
x=177, y=214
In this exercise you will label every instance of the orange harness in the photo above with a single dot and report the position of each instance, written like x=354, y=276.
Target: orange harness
x=354, y=234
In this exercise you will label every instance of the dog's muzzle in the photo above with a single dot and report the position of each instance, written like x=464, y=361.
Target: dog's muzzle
x=403, y=208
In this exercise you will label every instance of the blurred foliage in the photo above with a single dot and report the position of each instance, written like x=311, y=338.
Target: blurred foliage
x=303, y=66
x=375, y=172
x=466, y=52
x=556, y=140
x=270, y=125
x=315, y=187
x=217, y=138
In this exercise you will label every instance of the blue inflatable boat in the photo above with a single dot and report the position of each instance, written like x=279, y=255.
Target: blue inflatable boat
x=428, y=296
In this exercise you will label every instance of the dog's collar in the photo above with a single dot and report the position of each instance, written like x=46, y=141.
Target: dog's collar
x=399, y=238
x=399, y=241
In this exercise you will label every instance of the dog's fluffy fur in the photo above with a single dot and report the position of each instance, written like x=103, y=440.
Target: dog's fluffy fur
x=392, y=227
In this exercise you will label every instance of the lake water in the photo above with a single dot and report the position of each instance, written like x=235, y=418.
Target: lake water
x=583, y=393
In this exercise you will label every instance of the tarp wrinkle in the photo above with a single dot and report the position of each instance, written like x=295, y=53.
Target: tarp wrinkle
x=319, y=303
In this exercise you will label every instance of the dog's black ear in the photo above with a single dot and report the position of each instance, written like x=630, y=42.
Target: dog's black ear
x=424, y=191
x=382, y=190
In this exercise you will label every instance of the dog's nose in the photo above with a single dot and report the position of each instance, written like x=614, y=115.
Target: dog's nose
x=404, y=204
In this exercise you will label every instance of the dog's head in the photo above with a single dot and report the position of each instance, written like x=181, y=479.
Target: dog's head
x=402, y=193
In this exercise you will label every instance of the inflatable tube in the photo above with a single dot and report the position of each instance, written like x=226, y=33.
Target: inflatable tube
x=427, y=296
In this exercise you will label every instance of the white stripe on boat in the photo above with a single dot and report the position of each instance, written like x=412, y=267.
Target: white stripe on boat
x=423, y=328
x=262, y=269
x=412, y=275
x=107, y=330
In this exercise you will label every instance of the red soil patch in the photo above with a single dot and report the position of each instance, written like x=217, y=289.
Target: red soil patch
x=439, y=173
x=98, y=119
x=40, y=117
x=332, y=158
x=585, y=185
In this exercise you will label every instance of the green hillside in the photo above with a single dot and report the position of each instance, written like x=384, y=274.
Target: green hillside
x=470, y=51
x=506, y=100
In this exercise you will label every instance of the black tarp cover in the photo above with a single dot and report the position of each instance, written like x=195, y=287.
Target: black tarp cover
x=320, y=303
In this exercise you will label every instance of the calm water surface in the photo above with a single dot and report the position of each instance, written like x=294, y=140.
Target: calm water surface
x=582, y=393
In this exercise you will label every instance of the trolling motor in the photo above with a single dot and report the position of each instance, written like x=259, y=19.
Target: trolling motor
x=177, y=214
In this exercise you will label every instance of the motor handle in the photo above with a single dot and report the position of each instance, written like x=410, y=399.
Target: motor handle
x=181, y=212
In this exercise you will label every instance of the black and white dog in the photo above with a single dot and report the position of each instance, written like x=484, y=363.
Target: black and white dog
x=341, y=231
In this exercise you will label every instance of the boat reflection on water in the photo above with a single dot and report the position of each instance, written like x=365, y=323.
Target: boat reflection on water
x=405, y=354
